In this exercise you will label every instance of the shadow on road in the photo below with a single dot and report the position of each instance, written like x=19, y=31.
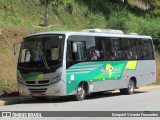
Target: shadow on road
x=70, y=98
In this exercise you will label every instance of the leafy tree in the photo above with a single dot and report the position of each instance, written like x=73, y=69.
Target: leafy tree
x=154, y=6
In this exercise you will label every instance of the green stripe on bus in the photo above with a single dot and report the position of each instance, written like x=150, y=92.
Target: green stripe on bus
x=103, y=70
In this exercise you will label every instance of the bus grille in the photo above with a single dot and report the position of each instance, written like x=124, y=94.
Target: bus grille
x=37, y=90
x=38, y=83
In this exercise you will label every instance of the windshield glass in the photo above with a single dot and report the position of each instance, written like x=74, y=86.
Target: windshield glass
x=41, y=51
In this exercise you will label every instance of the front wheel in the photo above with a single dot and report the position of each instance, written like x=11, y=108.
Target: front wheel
x=130, y=89
x=80, y=94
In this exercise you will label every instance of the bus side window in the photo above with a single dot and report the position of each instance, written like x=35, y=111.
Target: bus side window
x=69, y=52
x=94, y=55
x=69, y=57
x=114, y=49
x=80, y=54
x=147, y=49
x=77, y=50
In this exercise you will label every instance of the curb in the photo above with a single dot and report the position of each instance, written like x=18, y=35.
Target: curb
x=9, y=102
x=2, y=103
x=12, y=101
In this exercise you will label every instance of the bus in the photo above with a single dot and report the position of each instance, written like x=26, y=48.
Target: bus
x=83, y=62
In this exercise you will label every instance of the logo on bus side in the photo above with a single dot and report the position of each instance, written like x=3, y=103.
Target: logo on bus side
x=109, y=70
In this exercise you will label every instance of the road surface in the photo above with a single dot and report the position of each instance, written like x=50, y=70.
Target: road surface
x=144, y=100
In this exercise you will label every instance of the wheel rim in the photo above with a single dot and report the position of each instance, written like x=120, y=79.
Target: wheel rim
x=81, y=92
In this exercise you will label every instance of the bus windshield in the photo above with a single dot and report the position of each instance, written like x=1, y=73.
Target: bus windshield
x=41, y=51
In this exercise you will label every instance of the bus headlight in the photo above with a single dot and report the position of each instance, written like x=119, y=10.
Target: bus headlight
x=20, y=81
x=56, y=79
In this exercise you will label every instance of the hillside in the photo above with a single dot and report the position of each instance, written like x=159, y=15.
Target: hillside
x=22, y=17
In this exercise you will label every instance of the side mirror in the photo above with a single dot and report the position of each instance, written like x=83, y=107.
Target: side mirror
x=74, y=45
x=15, y=48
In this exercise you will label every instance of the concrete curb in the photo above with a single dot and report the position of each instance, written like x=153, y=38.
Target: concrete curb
x=10, y=102
x=19, y=100
x=14, y=100
x=2, y=103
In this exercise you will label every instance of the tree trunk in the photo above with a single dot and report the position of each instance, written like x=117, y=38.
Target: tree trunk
x=125, y=2
x=46, y=13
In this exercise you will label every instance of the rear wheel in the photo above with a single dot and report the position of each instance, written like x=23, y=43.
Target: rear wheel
x=130, y=89
x=80, y=94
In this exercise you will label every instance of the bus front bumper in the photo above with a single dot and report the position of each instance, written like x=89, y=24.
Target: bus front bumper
x=56, y=89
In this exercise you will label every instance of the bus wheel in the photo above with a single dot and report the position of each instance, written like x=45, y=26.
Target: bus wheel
x=130, y=89
x=80, y=94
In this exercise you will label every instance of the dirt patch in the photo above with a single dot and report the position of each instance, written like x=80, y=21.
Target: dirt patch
x=8, y=61
x=149, y=87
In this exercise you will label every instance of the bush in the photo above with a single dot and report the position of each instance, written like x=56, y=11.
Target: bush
x=118, y=20
x=151, y=27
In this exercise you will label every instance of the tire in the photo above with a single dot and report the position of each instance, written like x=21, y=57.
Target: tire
x=130, y=89
x=80, y=93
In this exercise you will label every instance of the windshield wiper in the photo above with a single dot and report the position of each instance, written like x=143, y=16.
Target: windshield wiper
x=43, y=57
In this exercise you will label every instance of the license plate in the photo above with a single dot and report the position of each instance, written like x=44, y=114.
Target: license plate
x=37, y=94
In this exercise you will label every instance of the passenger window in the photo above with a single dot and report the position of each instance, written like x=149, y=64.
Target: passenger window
x=80, y=53
x=97, y=51
x=147, y=49
x=114, y=49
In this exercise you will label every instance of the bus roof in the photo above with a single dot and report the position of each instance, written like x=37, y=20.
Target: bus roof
x=116, y=33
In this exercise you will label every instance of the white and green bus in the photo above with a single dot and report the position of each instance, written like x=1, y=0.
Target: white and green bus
x=84, y=62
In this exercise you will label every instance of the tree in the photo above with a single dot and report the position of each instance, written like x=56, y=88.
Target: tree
x=154, y=7
x=125, y=2
x=46, y=4
x=46, y=13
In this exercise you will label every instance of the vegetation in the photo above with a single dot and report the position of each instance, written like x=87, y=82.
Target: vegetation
x=22, y=17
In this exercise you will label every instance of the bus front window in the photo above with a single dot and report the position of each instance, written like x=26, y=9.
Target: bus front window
x=41, y=51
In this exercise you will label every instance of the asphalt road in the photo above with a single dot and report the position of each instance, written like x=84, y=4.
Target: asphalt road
x=148, y=100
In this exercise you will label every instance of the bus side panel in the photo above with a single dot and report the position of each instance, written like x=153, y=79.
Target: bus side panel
x=144, y=73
